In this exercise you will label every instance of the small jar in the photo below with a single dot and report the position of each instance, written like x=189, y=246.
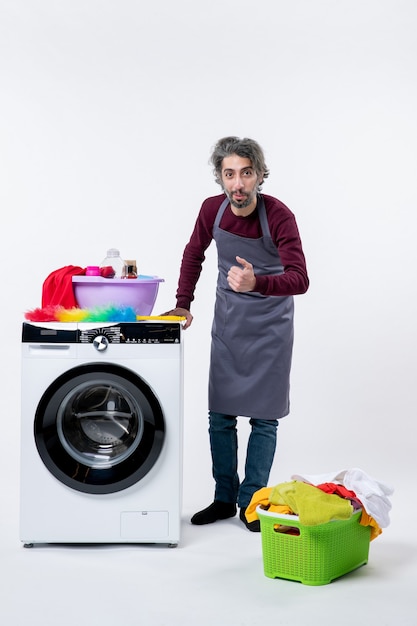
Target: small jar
x=130, y=272
x=92, y=270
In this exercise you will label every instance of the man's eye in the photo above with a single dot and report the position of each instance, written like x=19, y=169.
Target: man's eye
x=247, y=173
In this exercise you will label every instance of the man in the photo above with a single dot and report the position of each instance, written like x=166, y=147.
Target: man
x=261, y=267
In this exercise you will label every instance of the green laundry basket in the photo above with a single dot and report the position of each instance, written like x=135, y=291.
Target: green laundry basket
x=313, y=555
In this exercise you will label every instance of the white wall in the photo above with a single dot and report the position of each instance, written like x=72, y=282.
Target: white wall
x=108, y=112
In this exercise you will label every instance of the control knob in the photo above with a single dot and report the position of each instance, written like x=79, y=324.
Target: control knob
x=100, y=342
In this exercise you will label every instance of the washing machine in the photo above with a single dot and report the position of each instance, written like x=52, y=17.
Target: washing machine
x=101, y=433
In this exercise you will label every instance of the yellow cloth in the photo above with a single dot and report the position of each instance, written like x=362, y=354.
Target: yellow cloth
x=367, y=520
x=312, y=505
x=261, y=498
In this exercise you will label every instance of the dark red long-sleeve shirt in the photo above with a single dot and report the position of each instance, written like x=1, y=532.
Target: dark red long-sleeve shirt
x=284, y=233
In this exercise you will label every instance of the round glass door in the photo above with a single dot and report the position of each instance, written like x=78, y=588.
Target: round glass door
x=99, y=428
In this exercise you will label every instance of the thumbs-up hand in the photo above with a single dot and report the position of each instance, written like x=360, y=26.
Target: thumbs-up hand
x=242, y=278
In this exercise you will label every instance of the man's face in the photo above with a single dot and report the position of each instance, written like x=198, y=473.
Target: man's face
x=240, y=183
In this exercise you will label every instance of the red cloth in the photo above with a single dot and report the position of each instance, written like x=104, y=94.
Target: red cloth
x=339, y=490
x=57, y=288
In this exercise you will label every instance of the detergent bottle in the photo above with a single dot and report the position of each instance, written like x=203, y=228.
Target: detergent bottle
x=113, y=265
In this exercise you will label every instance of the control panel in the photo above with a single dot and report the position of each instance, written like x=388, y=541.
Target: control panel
x=123, y=333
x=134, y=333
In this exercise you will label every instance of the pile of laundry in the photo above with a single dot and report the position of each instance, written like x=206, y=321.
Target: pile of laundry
x=318, y=499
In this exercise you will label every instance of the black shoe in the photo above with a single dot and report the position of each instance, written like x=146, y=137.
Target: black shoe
x=216, y=511
x=254, y=526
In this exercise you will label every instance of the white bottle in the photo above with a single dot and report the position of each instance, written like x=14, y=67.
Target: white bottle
x=113, y=260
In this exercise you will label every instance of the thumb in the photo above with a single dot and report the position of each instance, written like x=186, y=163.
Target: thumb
x=245, y=264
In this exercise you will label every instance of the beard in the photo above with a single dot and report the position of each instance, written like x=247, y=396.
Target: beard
x=241, y=204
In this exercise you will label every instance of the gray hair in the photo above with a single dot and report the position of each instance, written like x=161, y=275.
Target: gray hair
x=245, y=148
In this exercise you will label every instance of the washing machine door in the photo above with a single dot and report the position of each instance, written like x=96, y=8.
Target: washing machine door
x=99, y=428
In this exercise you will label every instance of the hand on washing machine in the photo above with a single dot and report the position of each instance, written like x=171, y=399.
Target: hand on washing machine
x=181, y=313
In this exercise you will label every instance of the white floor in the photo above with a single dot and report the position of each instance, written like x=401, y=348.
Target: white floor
x=215, y=576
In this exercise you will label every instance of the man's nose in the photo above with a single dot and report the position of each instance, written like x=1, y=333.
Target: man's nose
x=238, y=182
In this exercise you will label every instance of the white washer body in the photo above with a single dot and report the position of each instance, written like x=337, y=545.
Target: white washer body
x=147, y=511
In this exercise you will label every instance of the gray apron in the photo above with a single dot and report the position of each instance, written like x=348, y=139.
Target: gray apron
x=252, y=334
